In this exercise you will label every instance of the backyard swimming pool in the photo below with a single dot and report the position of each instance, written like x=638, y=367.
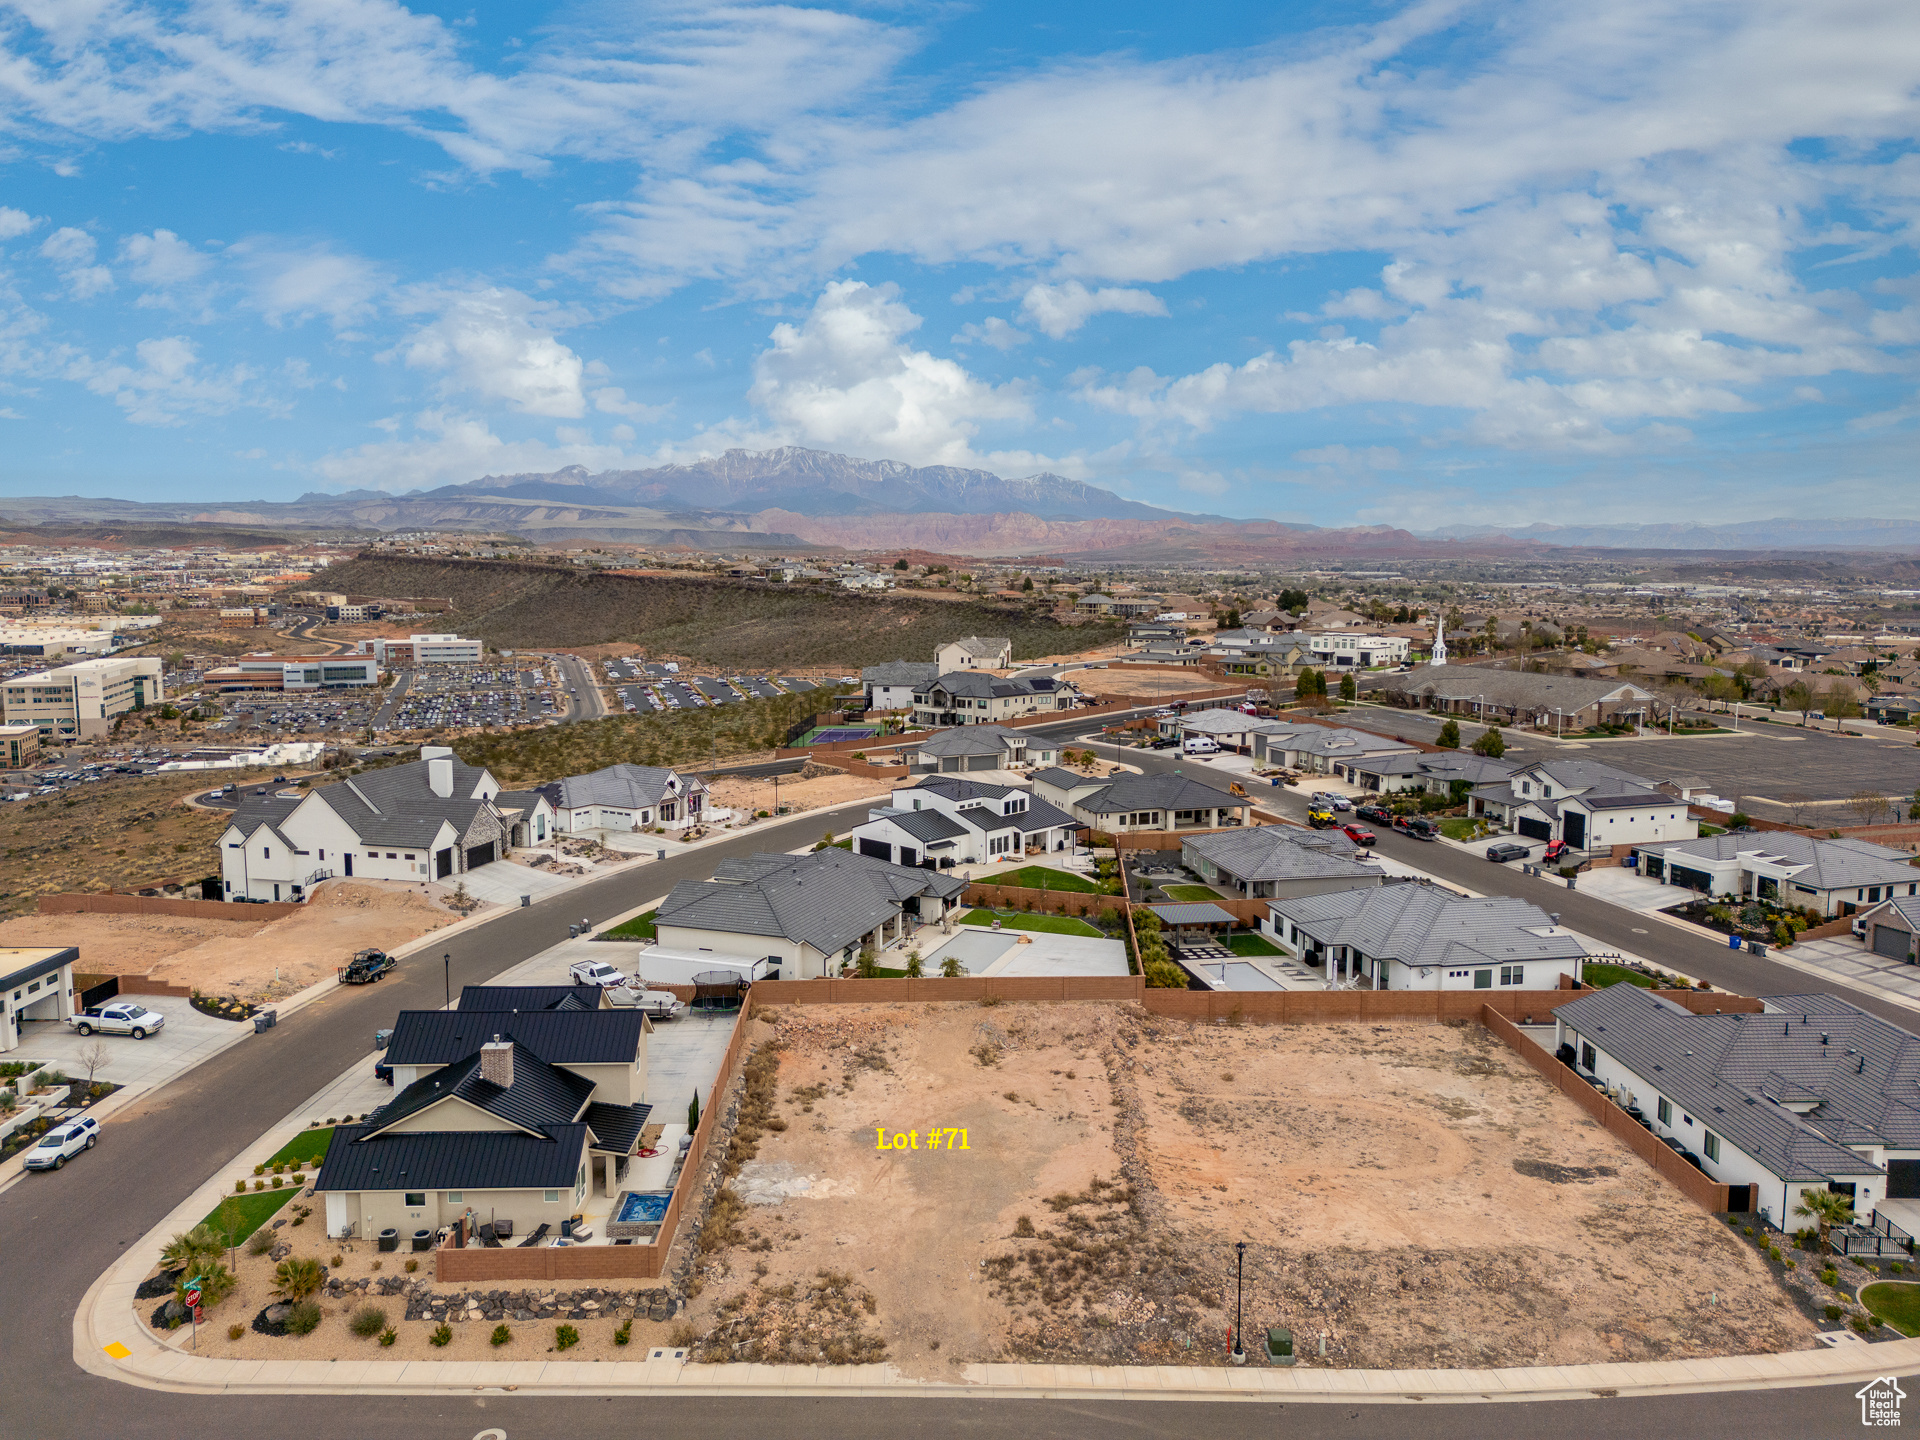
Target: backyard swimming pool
x=643, y=1207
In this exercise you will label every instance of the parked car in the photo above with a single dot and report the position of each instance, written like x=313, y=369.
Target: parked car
x=1165, y=742
x=1507, y=850
x=122, y=1017
x=1359, y=834
x=62, y=1143
x=1554, y=851
x=595, y=972
x=1342, y=804
x=1199, y=745
x=383, y=1071
x=1320, y=818
x=1379, y=814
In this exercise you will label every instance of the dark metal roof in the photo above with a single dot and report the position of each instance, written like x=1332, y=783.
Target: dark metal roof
x=453, y=1159
x=616, y=1128
x=541, y=1094
x=560, y=1037
x=531, y=997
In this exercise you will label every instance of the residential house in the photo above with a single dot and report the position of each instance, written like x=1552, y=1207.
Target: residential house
x=1095, y=604
x=1832, y=877
x=945, y=821
x=891, y=686
x=1892, y=929
x=35, y=984
x=630, y=797
x=1245, y=652
x=1589, y=805
x=1324, y=750
x=1129, y=804
x=976, y=652
x=1519, y=697
x=1411, y=936
x=534, y=997
x=804, y=916
x=1810, y=1094
x=972, y=697
x=1355, y=650
x=506, y=1116
x=1170, y=633
x=1230, y=729
x=1396, y=773
x=433, y=819
x=1269, y=862
x=981, y=747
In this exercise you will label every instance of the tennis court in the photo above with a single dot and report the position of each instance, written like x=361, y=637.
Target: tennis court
x=828, y=734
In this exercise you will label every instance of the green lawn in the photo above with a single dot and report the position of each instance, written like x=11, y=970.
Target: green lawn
x=256, y=1208
x=1052, y=924
x=1252, y=945
x=305, y=1146
x=1458, y=827
x=1600, y=975
x=1895, y=1301
x=1196, y=894
x=638, y=928
x=1043, y=877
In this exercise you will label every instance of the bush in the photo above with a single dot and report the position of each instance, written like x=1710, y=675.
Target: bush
x=1830, y=1277
x=1832, y=1312
x=566, y=1337
x=501, y=1335
x=1163, y=974
x=1861, y=1323
x=260, y=1242
x=296, y=1279
x=624, y=1335
x=389, y=1335
x=303, y=1319
x=278, y=1182
x=234, y=1332
x=368, y=1321
x=239, y=1187
x=442, y=1333
x=412, y=1265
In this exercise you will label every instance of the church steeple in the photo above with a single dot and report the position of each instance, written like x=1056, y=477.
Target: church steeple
x=1439, y=639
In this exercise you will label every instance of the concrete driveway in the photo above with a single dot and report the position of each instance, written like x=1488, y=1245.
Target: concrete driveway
x=188, y=1038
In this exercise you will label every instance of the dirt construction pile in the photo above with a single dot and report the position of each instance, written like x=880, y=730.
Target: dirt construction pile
x=944, y=1184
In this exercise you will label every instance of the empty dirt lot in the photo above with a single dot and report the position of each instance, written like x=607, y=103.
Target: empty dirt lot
x=1412, y=1192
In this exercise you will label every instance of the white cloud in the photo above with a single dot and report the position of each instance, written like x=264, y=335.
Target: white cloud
x=497, y=343
x=992, y=331
x=446, y=446
x=846, y=379
x=1059, y=310
x=15, y=222
x=1343, y=457
x=1204, y=482
x=162, y=259
x=71, y=252
x=168, y=383
x=612, y=400
x=290, y=286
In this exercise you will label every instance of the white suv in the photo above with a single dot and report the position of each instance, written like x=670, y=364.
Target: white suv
x=62, y=1143
x=595, y=972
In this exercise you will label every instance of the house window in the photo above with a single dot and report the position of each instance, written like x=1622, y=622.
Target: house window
x=1713, y=1146
x=1666, y=1112
x=1587, y=1057
x=550, y=1197
x=416, y=1198
x=266, y=851
x=1513, y=974
x=455, y=1197
x=1483, y=979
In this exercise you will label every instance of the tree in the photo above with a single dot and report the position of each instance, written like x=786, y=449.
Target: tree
x=1826, y=1208
x=951, y=968
x=95, y=1058
x=295, y=1278
x=1492, y=745
x=915, y=967
x=1723, y=688
x=1449, y=736
x=1839, y=705
x=193, y=1248
x=1349, y=688
x=901, y=563
x=1293, y=601
x=1027, y=584
x=1869, y=807
x=1231, y=621
x=1458, y=790
x=1163, y=974
x=1798, y=696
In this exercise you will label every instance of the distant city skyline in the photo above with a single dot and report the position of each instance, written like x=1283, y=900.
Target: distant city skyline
x=1494, y=265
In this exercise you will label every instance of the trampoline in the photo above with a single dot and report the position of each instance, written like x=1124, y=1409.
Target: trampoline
x=718, y=990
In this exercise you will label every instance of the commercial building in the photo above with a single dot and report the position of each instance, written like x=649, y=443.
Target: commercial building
x=424, y=650
x=82, y=700
x=19, y=746
x=1810, y=1094
x=1346, y=650
x=295, y=673
x=242, y=617
x=1513, y=697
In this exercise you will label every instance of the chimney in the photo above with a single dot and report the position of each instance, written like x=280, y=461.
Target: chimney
x=496, y=1062
x=440, y=777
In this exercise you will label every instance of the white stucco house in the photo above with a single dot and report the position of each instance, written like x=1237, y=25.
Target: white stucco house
x=1833, y=877
x=631, y=797
x=1589, y=805
x=945, y=820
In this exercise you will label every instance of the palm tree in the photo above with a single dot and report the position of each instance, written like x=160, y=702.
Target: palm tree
x=193, y=1248
x=297, y=1279
x=1826, y=1208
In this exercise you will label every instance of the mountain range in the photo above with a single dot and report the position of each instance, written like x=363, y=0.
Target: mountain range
x=793, y=499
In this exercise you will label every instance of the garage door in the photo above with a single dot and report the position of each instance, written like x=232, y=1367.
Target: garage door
x=1903, y=1179
x=1895, y=944
x=1574, y=825
x=879, y=849
x=1534, y=829
x=480, y=855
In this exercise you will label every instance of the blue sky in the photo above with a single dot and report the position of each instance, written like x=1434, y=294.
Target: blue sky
x=1389, y=264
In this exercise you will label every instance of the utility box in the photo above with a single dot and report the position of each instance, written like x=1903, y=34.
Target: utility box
x=1279, y=1346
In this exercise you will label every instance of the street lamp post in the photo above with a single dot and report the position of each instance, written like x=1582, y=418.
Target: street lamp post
x=1239, y=1313
x=446, y=972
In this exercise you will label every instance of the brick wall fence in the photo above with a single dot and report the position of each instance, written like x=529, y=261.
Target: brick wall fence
x=1044, y=902
x=104, y=904
x=1710, y=1195
x=143, y=985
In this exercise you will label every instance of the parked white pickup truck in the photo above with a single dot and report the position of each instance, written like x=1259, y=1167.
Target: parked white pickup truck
x=595, y=972
x=122, y=1017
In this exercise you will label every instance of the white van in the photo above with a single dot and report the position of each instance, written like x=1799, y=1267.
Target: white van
x=1199, y=745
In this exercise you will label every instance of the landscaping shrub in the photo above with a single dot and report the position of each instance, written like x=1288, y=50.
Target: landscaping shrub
x=624, y=1335
x=296, y=1279
x=1832, y=1312
x=368, y=1321
x=303, y=1319
x=260, y=1242
x=338, y=1261
x=234, y=1332
x=566, y=1337
x=239, y=1187
x=1861, y=1323
x=501, y=1335
x=412, y=1265
x=1830, y=1277
x=442, y=1333
x=389, y=1335
x=278, y=1182
x=216, y=1283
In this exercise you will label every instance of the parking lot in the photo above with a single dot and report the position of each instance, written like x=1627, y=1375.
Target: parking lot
x=649, y=687
x=337, y=712
x=453, y=696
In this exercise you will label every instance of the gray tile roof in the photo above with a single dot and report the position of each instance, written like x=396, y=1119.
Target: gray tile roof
x=927, y=825
x=541, y=1094
x=829, y=900
x=1318, y=740
x=972, y=740
x=1425, y=925
x=453, y=1160
x=394, y=806
x=982, y=644
x=956, y=787
x=1823, y=864
x=1039, y=815
x=981, y=684
x=1735, y=1074
x=901, y=672
x=627, y=787
x=1172, y=791
x=1448, y=765
x=1526, y=689
x=1193, y=914
x=1281, y=852
x=1063, y=779
x=560, y=1037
